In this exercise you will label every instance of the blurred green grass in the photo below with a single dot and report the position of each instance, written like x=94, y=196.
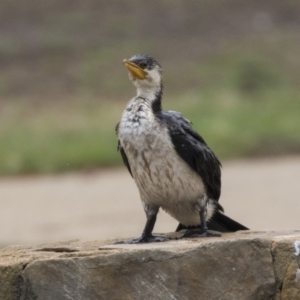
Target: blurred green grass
x=79, y=134
x=56, y=138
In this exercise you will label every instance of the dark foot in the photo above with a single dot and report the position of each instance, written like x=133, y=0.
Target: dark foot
x=144, y=240
x=194, y=233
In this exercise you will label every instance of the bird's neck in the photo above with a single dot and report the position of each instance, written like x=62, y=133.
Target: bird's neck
x=151, y=95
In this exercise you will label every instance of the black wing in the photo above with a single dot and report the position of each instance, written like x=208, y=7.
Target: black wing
x=191, y=147
x=123, y=154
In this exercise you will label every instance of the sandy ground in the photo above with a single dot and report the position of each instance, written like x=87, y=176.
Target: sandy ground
x=261, y=194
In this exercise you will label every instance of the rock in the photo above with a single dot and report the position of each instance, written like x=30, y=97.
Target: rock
x=291, y=279
x=243, y=265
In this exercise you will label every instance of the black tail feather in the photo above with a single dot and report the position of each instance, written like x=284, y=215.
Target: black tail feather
x=219, y=222
x=222, y=223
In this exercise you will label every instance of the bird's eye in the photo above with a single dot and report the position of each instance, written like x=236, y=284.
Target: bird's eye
x=143, y=65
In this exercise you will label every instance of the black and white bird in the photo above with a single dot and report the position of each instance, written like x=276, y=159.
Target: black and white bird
x=171, y=164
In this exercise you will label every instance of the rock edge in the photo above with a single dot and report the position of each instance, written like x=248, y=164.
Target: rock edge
x=242, y=265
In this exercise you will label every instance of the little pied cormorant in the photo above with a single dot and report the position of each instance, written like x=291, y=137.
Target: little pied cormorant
x=171, y=164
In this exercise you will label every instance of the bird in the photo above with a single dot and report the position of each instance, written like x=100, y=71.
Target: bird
x=171, y=164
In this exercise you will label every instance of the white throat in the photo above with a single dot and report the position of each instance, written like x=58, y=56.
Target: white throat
x=149, y=87
x=148, y=94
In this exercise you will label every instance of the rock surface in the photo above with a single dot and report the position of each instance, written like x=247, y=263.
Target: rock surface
x=244, y=265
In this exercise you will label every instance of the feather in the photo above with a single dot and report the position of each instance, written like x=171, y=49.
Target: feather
x=191, y=147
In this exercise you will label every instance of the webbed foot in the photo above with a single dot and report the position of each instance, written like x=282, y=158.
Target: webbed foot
x=144, y=240
x=198, y=232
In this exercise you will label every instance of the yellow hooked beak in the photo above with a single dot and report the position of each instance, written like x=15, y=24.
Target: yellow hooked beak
x=135, y=71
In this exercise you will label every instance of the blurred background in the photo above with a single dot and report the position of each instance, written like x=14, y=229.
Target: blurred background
x=232, y=67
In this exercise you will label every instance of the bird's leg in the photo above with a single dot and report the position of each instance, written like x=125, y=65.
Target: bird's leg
x=147, y=237
x=203, y=231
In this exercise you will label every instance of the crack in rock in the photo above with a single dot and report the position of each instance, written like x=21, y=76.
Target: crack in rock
x=58, y=250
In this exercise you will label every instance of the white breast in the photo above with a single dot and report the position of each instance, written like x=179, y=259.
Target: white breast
x=162, y=177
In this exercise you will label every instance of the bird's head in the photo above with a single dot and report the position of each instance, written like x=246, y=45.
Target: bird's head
x=145, y=73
